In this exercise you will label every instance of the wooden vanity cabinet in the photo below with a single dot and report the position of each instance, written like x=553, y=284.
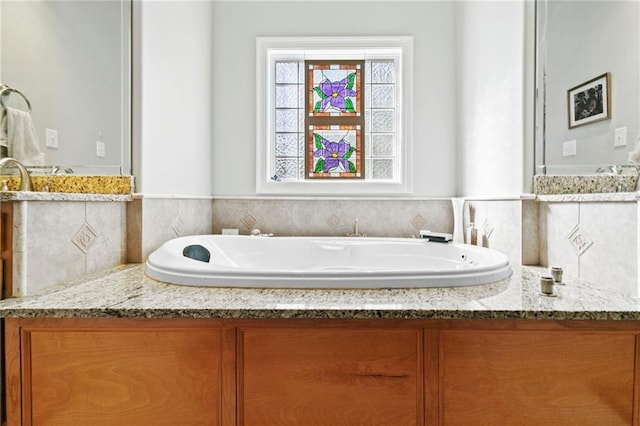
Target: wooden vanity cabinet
x=113, y=372
x=318, y=372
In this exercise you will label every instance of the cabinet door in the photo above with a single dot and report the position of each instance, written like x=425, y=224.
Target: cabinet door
x=326, y=376
x=537, y=378
x=123, y=377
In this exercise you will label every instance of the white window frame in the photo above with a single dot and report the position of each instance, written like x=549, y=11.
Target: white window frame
x=271, y=49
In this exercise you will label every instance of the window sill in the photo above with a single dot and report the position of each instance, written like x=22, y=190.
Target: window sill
x=324, y=188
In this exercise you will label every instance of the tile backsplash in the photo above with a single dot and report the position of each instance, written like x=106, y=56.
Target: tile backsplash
x=509, y=226
x=58, y=241
x=55, y=242
x=153, y=220
x=594, y=241
x=333, y=217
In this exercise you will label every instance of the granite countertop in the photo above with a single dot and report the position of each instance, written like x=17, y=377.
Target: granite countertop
x=125, y=291
x=60, y=196
x=585, y=184
x=74, y=184
x=594, y=197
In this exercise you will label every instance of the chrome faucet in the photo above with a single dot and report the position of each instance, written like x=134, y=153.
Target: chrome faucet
x=25, y=178
x=612, y=169
x=356, y=231
x=59, y=170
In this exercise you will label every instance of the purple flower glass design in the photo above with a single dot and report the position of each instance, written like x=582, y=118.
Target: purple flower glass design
x=336, y=94
x=332, y=155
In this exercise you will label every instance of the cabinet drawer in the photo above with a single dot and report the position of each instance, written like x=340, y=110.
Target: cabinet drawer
x=320, y=376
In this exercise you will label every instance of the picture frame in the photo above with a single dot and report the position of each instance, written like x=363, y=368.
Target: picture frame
x=590, y=102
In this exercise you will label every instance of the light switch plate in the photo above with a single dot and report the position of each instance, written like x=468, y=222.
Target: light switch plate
x=569, y=148
x=620, y=137
x=51, y=138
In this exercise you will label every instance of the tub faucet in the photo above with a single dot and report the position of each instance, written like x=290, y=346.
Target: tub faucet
x=356, y=231
x=25, y=178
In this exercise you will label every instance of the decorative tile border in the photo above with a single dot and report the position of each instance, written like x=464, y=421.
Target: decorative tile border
x=177, y=225
x=418, y=222
x=333, y=221
x=84, y=238
x=249, y=220
x=488, y=228
x=579, y=240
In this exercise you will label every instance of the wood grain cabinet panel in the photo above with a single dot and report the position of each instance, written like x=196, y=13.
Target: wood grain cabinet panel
x=537, y=378
x=123, y=377
x=329, y=376
x=320, y=372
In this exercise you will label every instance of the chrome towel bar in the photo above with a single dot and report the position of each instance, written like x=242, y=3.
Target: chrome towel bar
x=6, y=90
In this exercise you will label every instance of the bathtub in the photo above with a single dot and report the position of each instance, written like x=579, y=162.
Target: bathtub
x=323, y=262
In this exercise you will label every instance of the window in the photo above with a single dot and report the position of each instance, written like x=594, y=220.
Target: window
x=333, y=115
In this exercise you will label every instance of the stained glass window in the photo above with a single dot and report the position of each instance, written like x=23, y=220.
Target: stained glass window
x=335, y=88
x=334, y=151
x=333, y=115
x=334, y=119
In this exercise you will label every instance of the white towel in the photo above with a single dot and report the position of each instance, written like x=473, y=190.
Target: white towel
x=3, y=128
x=21, y=138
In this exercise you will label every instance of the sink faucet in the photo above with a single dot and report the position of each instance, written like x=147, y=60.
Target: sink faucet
x=25, y=178
x=59, y=169
x=612, y=169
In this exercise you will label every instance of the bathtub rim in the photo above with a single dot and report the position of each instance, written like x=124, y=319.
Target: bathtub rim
x=334, y=279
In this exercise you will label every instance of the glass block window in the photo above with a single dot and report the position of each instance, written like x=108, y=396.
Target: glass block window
x=289, y=120
x=333, y=115
x=331, y=97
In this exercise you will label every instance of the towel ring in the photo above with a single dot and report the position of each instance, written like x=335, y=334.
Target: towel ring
x=5, y=90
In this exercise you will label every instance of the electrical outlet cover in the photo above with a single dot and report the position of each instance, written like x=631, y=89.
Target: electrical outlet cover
x=100, y=149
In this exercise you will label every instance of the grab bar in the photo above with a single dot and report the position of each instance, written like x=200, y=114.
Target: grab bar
x=5, y=90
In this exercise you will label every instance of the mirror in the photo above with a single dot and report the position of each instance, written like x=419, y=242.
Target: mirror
x=71, y=60
x=578, y=41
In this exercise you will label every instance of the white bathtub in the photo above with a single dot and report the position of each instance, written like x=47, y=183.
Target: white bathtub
x=325, y=262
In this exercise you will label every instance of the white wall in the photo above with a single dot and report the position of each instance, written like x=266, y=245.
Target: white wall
x=235, y=28
x=469, y=90
x=491, y=97
x=172, y=132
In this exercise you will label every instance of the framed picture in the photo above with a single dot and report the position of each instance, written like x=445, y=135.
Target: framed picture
x=590, y=102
